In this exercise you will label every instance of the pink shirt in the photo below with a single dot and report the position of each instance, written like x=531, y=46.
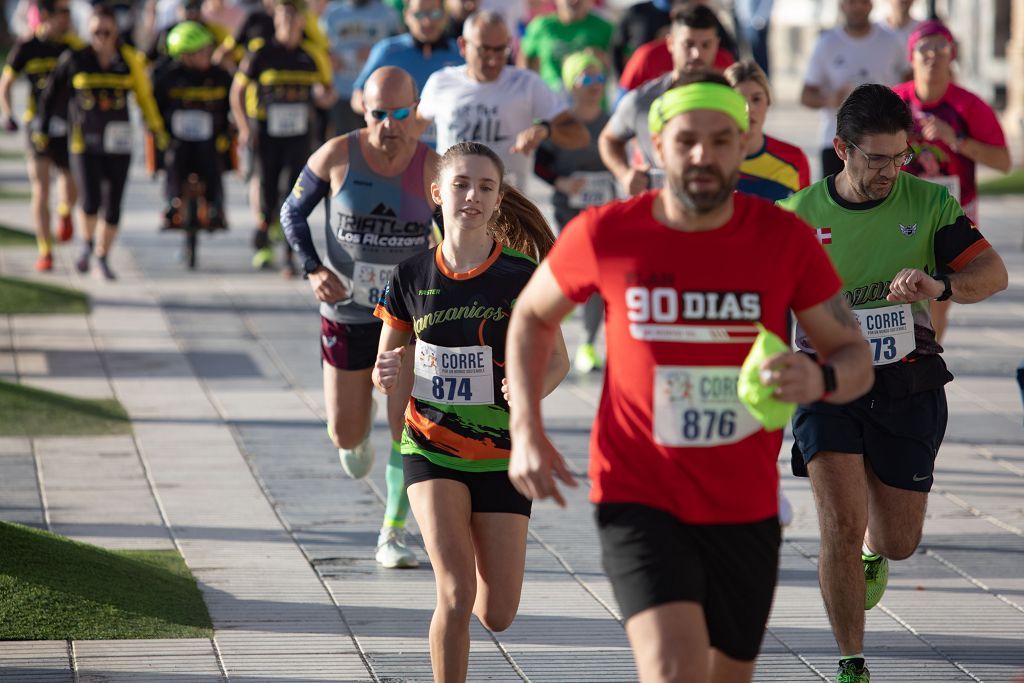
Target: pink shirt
x=969, y=116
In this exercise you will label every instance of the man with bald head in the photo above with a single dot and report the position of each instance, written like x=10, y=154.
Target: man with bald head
x=511, y=110
x=377, y=180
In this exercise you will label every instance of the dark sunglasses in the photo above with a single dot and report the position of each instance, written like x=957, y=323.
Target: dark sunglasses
x=397, y=114
x=62, y=10
x=102, y=33
x=591, y=79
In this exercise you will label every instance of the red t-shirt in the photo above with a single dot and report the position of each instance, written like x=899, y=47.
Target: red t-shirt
x=969, y=116
x=653, y=59
x=681, y=309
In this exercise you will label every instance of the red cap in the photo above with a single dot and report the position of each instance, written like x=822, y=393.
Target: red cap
x=931, y=27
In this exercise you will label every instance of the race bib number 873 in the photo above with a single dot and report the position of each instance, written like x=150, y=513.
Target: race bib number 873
x=697, y=407
x=462, y=375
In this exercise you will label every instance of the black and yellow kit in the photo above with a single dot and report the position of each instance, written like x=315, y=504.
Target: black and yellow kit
x=279, y=84
x=457, y=417
x=36, y=58
x=99, y=127
x=194, y=106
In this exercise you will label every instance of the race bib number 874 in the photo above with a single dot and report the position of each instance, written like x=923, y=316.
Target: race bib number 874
x=462, y=375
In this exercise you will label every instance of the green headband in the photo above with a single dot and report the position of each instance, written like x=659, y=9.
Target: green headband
x=577, y=63
x=712, y=96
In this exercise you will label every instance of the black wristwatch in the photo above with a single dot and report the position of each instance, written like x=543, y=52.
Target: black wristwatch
x=828, y=375
x=310, y=265
x=947, y=291
x=545, y=124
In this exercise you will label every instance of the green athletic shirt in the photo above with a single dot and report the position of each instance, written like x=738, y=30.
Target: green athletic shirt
x=458, y=319
x=919, y=225
x=550, y=41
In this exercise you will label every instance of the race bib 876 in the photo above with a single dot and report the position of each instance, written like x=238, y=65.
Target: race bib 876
x=697, y=407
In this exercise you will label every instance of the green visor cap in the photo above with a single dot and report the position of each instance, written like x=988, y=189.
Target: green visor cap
x=757, y=397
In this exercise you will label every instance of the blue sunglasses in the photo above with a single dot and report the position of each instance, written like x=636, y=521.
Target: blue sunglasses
x=397, y=114
x=591, y=79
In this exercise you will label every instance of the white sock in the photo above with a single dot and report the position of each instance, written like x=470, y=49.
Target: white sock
x=866, y=551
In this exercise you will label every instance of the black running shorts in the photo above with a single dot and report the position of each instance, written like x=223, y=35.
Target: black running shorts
x=488, y=491
x=898, y=426
x=653, y=559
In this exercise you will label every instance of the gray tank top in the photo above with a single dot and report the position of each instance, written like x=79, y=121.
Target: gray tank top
x=375, y=223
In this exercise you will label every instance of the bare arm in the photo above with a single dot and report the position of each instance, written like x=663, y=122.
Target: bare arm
x=6, y=83
x=532, y=338
x=993, y=156
x=836, y=336
x=613, y=153
x=813, y=97
x=237, y=100
x=983, y=276
x=568, y=132
x=390, y=351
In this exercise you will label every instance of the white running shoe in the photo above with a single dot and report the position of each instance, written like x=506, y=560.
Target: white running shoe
x=392, y=550
x=357, y=462
x=785, y=509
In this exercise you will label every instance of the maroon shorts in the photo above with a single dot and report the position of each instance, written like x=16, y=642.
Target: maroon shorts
x=349, y=347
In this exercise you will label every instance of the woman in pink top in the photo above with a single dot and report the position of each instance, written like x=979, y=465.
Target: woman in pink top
x=954, y=129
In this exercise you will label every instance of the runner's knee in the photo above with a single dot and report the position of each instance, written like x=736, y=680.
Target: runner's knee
x=347, y=433
x=497, y=618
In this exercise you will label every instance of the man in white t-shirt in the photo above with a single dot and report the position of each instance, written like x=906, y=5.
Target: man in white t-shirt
x=846, y=56
x=508, y=109
x=898, y=22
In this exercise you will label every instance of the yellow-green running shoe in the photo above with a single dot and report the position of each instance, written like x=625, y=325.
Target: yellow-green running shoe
x=876, y=576
x=849, y=672
x=586, y=359
x=263, y=259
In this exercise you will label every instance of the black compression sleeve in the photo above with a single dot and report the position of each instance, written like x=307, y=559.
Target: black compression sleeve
x=308, y=191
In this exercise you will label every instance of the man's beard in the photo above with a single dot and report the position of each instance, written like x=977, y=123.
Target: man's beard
x=704, y=202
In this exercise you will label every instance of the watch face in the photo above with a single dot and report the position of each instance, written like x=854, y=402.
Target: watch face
x=310, y=265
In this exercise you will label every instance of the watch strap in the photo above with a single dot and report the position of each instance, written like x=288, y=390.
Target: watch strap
x=947, y=291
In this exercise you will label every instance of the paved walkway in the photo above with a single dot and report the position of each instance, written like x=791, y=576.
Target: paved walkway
x=230, y=463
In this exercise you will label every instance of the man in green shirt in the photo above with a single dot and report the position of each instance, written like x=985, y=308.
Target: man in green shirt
x=871, y=461
x=551, y=38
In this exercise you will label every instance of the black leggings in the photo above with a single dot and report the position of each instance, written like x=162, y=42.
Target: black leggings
x=201, y=158
x=274, y=155
x=101, y=179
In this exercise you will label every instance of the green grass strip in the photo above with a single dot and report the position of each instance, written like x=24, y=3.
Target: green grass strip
x=32, y=412
x=11, y=237
x=53, y=588
x=24, y=296
x=1011, y=183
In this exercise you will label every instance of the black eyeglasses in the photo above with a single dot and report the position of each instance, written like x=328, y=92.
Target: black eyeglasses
x=879, y=161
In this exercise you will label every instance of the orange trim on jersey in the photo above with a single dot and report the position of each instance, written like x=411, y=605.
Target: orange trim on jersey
x=390, y=320
x=473, y=272
x=968, y=254
x=461, y=446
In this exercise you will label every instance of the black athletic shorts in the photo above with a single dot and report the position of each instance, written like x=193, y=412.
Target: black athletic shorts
x=653, y=559
x=898, y=426
x=56, y=150
x=488, y=491
x=349, y=347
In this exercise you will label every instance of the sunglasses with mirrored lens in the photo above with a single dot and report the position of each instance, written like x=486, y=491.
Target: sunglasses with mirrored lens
x=591, y=79
x=433, y=14
x=397, y=114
